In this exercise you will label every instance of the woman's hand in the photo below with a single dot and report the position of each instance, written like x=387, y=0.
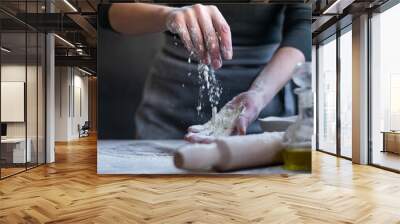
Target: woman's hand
x=204, y=31
x=252, y=102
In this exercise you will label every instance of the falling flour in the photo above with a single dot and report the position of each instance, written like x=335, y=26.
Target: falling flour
x=223, y=122
x=209, y=86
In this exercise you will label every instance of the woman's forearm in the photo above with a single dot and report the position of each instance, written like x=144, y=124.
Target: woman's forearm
x=277, y=73
x=138, y=18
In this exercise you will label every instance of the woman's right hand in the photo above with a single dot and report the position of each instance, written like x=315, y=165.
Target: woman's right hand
x=204, y=31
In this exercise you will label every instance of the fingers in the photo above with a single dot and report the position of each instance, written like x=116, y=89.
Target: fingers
x=196, y=36
x=185, y=37
x=177, y=24
x=196, y=128
x=247, y=116
x=198, y=134
x=224, y=32
x=236, y=102
x=198, y=138
x=209, y=35
x=241, y=125
x=204, y=31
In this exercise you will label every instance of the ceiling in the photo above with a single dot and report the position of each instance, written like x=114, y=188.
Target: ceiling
x=72, y=20
x=76, y=22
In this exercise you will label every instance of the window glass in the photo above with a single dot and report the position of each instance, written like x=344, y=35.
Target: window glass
x=22, y=90
x=346, y=94
x=14, y=151
x=327, y=97
x=385, y=87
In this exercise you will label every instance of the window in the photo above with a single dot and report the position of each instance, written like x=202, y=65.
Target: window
x=327, y=96
x=385, y=89
x=346, y=93
x=22, y=101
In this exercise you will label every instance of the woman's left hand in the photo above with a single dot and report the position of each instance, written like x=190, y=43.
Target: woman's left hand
x=252, y=102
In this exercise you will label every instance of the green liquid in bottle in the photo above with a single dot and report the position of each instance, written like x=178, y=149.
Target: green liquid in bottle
x=297, y=159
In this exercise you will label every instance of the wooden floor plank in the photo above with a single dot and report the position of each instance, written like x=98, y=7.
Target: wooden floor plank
x=70, y=191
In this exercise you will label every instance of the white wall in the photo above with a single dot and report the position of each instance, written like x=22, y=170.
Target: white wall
x=16, y=72
x=80, y=89
x=71, y=94
x=62, y=81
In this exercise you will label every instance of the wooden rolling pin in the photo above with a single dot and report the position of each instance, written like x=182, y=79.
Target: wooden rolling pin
x=232, y=153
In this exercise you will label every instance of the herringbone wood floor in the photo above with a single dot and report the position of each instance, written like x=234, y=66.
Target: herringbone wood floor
x=70, y=191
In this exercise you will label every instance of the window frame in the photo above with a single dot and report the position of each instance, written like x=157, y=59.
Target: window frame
x=333, y=37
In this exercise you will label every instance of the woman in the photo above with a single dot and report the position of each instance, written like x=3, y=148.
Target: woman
x=253, y=48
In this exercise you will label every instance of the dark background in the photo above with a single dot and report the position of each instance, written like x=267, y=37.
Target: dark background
x=123, y=63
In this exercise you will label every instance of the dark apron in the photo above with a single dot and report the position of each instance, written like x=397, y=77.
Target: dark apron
x=171, y=96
